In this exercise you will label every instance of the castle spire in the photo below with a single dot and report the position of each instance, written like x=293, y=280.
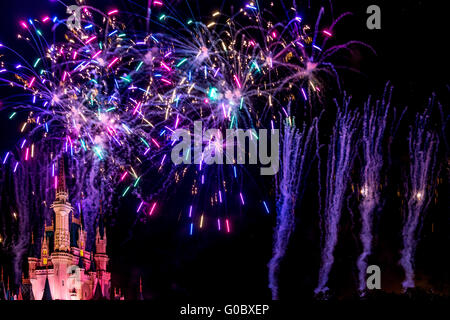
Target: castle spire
x=2, y=289
x=44, y=251
x=62, y=209
x=47, y=295
x=61, y=186
x=141, y=297
x=31, y=247
x=20, y=297
x=81, y=210
x=98, y=295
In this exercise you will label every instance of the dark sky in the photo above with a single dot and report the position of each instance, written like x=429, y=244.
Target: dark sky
x=411, y=53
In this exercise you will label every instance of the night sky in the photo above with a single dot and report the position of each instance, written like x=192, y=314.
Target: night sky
x=411, y=53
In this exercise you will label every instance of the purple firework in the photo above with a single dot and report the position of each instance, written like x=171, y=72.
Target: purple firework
x=373, y=130
x=295, y=165
x=341, y=153
x=419, y=189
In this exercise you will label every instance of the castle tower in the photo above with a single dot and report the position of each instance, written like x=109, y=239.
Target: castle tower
x=61, y=256
x=63, y=269
x=62, y=208
x=101, y=261
x=101, y=258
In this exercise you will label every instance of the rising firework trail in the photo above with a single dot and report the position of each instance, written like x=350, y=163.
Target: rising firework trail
x=295, y=164
x=420, y=186
x=374, y=124
x=341, y=153
x=25, y=197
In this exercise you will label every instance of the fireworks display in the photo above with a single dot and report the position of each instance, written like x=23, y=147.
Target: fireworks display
x=109, y=97
x=110, y=92
x=419, y=188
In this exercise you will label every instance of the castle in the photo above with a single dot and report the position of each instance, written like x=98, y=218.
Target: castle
x=64, y=270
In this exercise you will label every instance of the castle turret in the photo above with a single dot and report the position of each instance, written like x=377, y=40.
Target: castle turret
x=100, y=241
x=81, y=241
x=44, y=251
x=141, y=296
x=2, y=286
x=118, y=294
x=32, y=259
x=101, y=260
x=19, y=296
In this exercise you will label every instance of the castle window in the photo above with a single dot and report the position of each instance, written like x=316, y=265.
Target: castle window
x=81, y=253
x=44, y=252
x=63, y=283
x=44, y=261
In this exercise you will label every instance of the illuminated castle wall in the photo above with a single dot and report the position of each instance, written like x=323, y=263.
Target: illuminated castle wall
x=72, y=272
